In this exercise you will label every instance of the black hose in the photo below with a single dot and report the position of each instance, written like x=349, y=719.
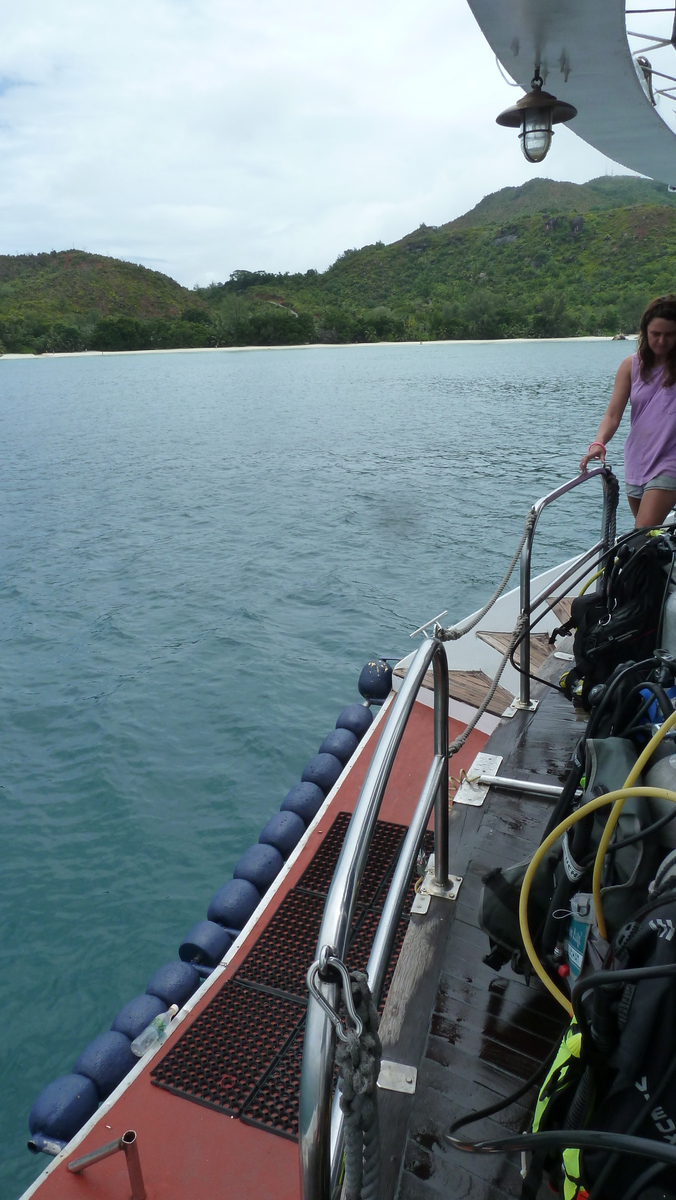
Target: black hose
x=613, y=682
x=611, y=1163
x=565, y=800
x=659, y=695
x=645, y=1178
x=573, y=1139
x=602, y=978
x=647, y=832
x=575, y=1117
x=665, y=594
x=490, y=1109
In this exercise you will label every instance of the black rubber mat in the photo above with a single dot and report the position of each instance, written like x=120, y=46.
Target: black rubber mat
x=242, y=1055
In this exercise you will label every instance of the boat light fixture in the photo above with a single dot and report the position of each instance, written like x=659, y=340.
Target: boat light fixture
x=534, y=114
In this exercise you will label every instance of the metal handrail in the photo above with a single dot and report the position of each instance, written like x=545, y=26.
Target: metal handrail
x=319, y=1048
x=607, y=536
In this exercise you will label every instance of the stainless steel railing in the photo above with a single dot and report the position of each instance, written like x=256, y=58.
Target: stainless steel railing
x=528, y=606
x=320, y=1144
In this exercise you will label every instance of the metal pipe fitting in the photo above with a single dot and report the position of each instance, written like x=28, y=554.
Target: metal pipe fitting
x=126, y=1143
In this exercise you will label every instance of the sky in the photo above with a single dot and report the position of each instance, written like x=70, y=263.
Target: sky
x=203, y=136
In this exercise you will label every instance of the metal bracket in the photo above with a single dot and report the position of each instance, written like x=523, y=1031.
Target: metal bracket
x=519, y=706
x=396, y=1077
x=429, y=887
x=432, y=621
x=471, y=790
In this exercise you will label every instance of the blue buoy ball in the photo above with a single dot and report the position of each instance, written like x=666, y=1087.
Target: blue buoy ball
x=234, y=903
x=206, y=943
x=323, y=770
x=259, y=864
x=174, y=983
x=357, y=718
x=137, y=1015
x=63, y=1107
x=340, y=742
x=375, y=681
x=283, y=831
x=106, y=1061
x=305, y=800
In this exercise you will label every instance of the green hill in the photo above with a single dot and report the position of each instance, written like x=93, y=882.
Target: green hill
x=544, y=259
x=548, y=195
x=59, y=301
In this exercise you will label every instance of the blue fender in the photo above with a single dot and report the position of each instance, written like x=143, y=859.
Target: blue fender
x=234, y=903
x=324, y=770
x=259, y=864
x=283, y=831
x=305, y=800
x=137, y=1015
x=106, y=1061
x=357, y=718
x=342, y=743
x=174, y=983
x=62, y=1108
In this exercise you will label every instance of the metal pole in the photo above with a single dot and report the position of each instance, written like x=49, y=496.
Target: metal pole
x=441, y=751
x=318, y=1052
x=130, y=1147
x=526, y=607
x=381, y=950
x=524, y=649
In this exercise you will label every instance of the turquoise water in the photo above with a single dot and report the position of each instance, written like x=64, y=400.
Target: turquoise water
x=199, y=552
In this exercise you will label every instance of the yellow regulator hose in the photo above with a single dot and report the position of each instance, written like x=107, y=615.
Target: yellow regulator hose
x=614, y=817
x=590, y=581
x=616, y=798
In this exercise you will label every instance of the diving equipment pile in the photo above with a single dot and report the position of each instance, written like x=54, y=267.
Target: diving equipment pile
x=593, y=914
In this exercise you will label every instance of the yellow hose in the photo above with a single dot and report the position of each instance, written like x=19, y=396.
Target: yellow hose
x=590, y=581
x=614, y=817
x=617, y=797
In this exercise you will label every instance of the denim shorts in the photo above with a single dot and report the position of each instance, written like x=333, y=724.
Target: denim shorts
x=663, y=483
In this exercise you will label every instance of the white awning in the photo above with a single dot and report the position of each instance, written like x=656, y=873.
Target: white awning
x=584, y=58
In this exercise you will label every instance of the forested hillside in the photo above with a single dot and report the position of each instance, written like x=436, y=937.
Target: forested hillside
x=545, y=259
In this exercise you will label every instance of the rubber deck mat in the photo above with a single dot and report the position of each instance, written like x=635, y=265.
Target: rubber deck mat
x=242, y=1055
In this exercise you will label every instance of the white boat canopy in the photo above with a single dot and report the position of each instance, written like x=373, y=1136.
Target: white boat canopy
x=585, y=59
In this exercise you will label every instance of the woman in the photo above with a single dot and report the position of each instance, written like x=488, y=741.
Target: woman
x=648, y=378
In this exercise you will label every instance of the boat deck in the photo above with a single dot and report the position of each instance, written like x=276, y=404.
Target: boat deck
x=216, y=1108
x=488, y=1031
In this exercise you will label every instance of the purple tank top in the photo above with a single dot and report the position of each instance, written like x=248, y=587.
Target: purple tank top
x=650, y=449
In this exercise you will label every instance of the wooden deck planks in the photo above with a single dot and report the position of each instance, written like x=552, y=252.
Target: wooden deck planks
x=540, y=648
x=469, y=687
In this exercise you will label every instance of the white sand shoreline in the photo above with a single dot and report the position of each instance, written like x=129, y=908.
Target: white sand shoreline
x=304, y=346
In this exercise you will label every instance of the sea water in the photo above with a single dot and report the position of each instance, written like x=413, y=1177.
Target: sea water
x=198, y=554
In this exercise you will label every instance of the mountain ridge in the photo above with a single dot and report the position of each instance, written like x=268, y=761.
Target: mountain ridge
x=547, y=258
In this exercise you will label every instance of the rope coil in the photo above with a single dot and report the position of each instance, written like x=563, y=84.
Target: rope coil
x=358, y=1062
x=358, y=1055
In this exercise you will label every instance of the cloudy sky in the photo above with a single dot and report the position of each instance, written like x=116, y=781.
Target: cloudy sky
x=200, y=136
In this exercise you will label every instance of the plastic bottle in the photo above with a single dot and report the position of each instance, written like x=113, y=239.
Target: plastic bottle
x=154, y=1033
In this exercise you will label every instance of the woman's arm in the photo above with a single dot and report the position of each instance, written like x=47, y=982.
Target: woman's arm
x=612, y=416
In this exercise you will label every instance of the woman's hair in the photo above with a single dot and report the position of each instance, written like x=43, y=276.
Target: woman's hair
x=665, y=308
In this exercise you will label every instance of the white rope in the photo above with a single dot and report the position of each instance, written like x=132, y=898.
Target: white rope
x=458, y=631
